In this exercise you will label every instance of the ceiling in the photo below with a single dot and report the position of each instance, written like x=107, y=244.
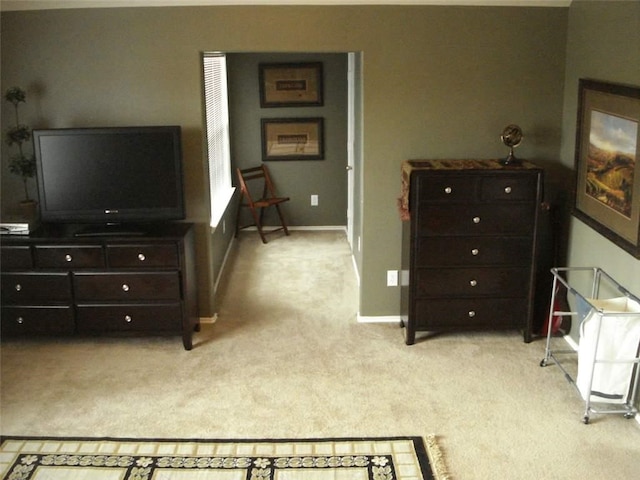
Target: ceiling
x=12, y=5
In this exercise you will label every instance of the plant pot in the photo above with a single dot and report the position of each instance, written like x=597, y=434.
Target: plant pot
x=29, y=210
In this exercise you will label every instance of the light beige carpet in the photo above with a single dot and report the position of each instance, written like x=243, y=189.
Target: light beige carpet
x=126, y=459
x=287, y=359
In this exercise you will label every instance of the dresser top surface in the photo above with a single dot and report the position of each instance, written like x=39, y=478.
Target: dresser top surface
x=466, y=164
x=52, y=233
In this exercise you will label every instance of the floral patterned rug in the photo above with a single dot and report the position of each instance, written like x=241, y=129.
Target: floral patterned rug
x=394, y=458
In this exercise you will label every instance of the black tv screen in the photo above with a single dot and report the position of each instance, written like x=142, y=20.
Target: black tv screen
x=109, y=175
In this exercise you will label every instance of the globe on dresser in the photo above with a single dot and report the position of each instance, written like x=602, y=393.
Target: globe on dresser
x=511, y=137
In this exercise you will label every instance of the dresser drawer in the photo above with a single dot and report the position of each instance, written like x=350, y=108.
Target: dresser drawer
x=452, y=251
x=484, y=219
x=129, y=256
x=470, y=313
x=16, y=257
x=129, y=318
x=29, y=288
x=75, y=256
x=473, y=188
x=50, y=319
x=515, y=188
x=446, y=188
x=471, y=282
x=127, y=286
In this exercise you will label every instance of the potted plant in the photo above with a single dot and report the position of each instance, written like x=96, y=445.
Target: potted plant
x=21, y=163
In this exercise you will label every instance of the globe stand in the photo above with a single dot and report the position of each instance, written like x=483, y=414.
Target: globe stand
x=511, y=159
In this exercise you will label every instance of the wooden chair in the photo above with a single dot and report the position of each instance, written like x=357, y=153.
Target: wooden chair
x=268, y=199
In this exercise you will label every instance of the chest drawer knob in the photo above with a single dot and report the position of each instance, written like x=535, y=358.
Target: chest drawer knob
x=68, y=258
x=141, y=257
x=476, y=219
x=128, y=319
x=507, y=189
x=448, y=190
x=473, y=283
x=472, y=314
x=475, y=252
x=125, y=287
x=20, y=320
x=18, y=287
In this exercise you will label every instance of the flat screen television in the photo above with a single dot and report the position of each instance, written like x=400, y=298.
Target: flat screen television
x=109, y=176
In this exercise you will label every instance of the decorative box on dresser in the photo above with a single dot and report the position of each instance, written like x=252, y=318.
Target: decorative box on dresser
x=469, y=245
x=54, y=282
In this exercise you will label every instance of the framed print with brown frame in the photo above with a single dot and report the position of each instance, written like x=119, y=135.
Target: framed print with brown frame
x=607, y=169
x=292, y=139
x=290, y=84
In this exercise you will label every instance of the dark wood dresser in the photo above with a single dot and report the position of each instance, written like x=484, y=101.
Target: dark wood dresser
x=469, y=245
x=54, y=282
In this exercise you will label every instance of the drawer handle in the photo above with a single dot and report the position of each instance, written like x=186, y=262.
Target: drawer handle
x=475, y=252
x=18, y=287
x=473, y=283
x=507, y=189
x=20, y=320
x=476, y=219
x=125, y=287
x=472, y=314
x=68, y=257
x=448, y=190
x=141, y=257
x=128, y=319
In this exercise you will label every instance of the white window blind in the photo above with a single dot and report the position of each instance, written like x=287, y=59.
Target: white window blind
x=217, y=120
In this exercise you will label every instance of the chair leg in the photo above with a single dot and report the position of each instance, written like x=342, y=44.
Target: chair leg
x=262, y=209
x=258, y=220
x=284, y=225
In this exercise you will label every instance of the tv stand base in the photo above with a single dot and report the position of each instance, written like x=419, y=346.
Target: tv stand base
x=110, y=230
x=57, y=283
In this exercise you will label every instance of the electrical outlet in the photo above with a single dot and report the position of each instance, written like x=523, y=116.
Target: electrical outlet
x=392, y=278
x=314, y=200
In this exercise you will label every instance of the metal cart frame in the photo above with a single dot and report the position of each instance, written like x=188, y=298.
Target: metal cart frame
x=628, y=409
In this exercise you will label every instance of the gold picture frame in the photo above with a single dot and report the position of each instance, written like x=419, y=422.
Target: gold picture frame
x=292, y=139
x=607, y=161
x=290, y=84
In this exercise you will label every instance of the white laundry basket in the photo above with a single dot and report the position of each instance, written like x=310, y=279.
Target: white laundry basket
x=608, y=339
x=609, y=346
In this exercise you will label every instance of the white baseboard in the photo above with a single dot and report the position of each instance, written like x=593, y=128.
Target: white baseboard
x=223, y=265
x=379, y=319
x=355, y=269
x=342, y=228
x=321, y=227
x=209, y=319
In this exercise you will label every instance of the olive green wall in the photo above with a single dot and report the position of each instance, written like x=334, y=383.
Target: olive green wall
x=297, y=180
x=603, y=43
x=437, y=82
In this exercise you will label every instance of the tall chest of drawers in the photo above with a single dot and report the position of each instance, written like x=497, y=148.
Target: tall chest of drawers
x=470, y=245
x=56, y=283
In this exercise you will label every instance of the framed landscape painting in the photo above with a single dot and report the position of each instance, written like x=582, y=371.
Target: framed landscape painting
x=607, y=168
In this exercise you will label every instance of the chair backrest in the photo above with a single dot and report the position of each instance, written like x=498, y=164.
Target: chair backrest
x=256, y=173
